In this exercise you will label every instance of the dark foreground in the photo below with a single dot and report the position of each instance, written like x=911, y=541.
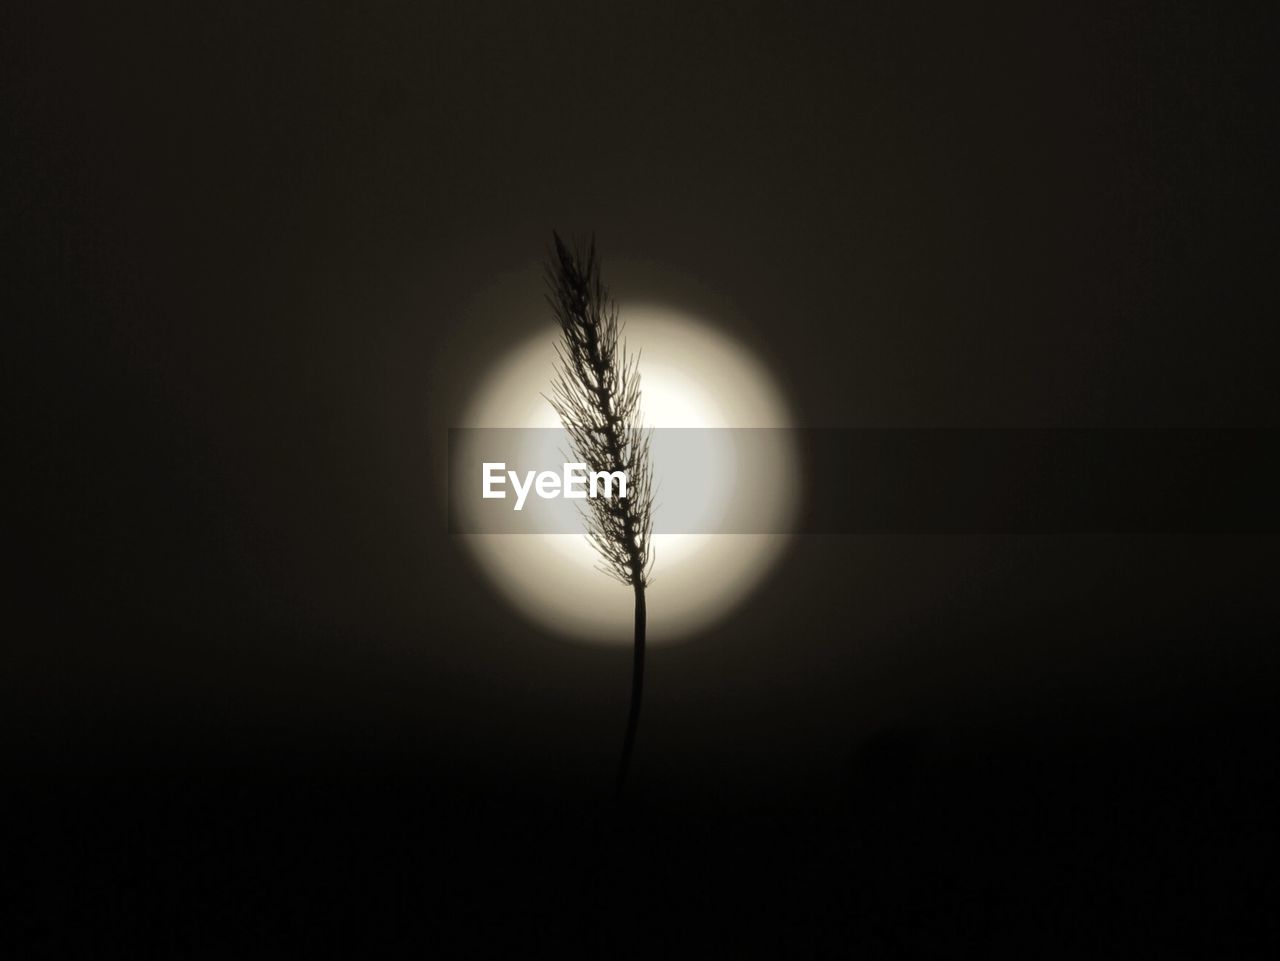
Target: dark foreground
x=1156, y=845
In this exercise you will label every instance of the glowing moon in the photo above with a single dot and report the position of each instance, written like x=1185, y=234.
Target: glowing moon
x=691, y=376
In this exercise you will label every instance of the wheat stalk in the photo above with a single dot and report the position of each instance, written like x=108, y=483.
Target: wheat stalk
x=596, y=393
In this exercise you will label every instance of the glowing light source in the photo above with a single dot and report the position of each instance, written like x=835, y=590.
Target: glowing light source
x=691, y=376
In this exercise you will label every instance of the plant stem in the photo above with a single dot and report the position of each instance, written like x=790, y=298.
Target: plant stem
x=637, y=686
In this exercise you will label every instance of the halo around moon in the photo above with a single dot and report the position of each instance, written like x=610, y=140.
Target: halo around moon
x=691, y=376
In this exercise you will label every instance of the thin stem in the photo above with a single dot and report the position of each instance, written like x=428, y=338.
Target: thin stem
x=637, y=687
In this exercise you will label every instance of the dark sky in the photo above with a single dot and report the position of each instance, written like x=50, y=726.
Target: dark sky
x=251, y=246
x=246, y=247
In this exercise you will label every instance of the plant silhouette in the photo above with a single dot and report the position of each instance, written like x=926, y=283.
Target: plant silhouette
x=596, y=393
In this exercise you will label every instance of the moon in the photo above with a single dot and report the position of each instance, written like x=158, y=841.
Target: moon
x=691, y=376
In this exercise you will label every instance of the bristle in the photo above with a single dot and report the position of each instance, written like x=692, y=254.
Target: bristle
x=596, y=393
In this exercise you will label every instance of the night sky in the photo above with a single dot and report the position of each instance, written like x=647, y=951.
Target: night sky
x=257, y=698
